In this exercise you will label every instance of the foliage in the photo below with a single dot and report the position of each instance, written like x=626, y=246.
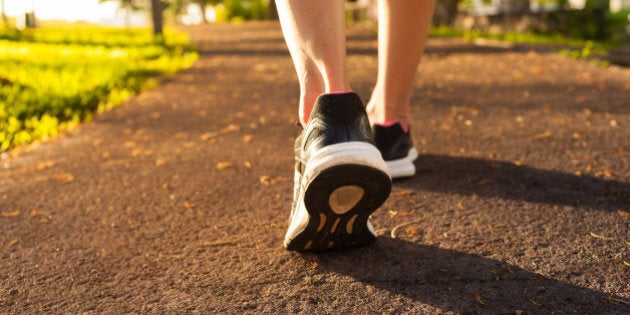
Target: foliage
x=572, y=47
x=53, y=78
x=515, y=37
x=241, y=10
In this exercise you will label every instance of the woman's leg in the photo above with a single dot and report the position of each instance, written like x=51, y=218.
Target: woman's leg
x=315, y=34
x=402, y=33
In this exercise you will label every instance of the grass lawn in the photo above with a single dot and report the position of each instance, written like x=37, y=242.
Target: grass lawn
x=53, y=78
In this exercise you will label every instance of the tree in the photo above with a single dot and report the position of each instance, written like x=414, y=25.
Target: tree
x=157, y=12
x=446, y=12
x=4, y=15
x=157, y=16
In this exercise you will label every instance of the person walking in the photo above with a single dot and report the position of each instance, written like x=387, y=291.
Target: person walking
x=347, y=153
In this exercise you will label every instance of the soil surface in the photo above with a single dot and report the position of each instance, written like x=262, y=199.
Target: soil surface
x=177, y=201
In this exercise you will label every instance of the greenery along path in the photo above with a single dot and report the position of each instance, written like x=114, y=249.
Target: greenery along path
x=55, y=77
x=178, y=200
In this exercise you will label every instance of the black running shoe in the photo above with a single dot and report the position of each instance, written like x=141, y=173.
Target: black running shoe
x=397, y=149
x=340, y=178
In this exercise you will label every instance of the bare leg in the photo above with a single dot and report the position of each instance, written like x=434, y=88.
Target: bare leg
x=315, y=34
x=402, y=31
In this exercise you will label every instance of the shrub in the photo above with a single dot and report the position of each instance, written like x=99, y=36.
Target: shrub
x=53, y=78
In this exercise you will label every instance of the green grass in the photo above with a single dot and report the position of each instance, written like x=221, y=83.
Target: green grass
x=53, y=78
x=578, y=48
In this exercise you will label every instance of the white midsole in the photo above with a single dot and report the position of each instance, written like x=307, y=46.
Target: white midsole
x=357, y=153
x=403, y=167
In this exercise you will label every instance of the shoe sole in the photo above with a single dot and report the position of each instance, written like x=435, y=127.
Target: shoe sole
x=403, y=168
x=346, y=183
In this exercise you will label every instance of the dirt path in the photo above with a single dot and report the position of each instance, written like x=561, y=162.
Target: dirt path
x=177, y=202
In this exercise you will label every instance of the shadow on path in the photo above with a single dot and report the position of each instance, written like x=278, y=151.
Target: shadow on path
x=465, y=283
x=486, y=178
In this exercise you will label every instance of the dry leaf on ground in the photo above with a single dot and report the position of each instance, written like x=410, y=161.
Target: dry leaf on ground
x=224, y=165
x=266, y=180
x=229, y=128
x=11, y=214
x=403, y=193
x=539, y=136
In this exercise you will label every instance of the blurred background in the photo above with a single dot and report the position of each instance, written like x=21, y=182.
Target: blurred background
x=604, y=20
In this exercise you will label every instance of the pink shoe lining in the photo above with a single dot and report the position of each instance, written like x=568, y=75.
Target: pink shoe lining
x=391, y=123
x=340, y=92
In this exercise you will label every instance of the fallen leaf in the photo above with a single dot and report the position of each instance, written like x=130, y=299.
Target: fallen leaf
x=187, y=205
x=623, y=213
x=44, y=165
x=208, y=135
x=247, y=138
x=223, y=165
x=130, y=144
x=604, y=172
x=266, y=180
x=12, y=242
x=160, y=162
x=247, y=164
x=403, y=193
x=63, y=177
x=12, y=214
x=229, y=128
x=544, y=135
x=36, y=213
x=106, y=155
x=411, y=230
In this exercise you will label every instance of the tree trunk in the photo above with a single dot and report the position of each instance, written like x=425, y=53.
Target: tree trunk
x=445, y=12
x=157, y=10
x=272, y=11
x=202, y=7
x=4, y=15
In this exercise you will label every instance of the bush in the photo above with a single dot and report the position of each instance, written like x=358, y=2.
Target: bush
x=242, y=10
x=53, y=78
x=589, y=24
